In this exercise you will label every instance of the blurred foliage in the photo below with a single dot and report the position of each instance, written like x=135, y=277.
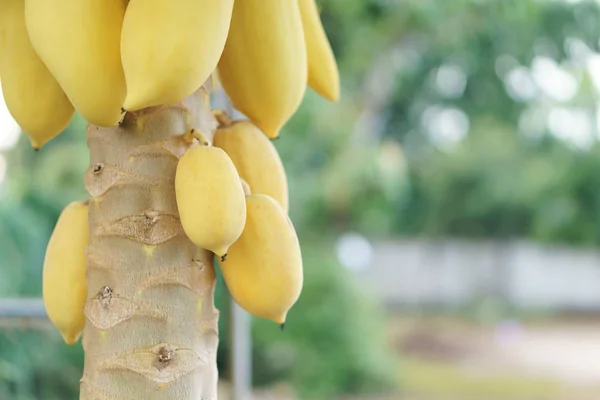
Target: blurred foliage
x=390, y=170
x=36, y=364
x=444, y=128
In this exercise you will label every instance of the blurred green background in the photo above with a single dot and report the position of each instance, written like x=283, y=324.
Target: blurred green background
x=467, y=119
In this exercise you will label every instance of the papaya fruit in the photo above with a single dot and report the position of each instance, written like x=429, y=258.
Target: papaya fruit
x=64, y=283
x=263, y=269
x=255, y=158
x=210, y=198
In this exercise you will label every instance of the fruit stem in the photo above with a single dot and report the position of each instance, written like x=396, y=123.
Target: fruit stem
x=200, y=136
x=222, y=117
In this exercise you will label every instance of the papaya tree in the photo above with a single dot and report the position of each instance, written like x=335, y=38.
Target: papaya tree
x=172, y=183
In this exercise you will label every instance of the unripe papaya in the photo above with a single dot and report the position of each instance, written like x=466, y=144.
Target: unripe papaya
x=64, y=276
x=255, y=158
x=263, y=269
x=210, y=198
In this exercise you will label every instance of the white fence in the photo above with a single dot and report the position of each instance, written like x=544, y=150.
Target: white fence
x=455, y=272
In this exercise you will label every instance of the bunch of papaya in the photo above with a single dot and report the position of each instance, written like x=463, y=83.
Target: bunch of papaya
x=105, y=59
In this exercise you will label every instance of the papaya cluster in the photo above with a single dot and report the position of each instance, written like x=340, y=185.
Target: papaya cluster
x=104, y=58
x=238, y=210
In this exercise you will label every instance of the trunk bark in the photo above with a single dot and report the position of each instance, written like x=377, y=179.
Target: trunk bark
x=151, y=329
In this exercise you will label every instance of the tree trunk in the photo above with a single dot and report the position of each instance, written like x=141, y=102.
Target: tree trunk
x=151, y=329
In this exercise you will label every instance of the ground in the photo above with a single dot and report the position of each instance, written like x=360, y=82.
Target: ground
x=449, y=358
x=443, y=358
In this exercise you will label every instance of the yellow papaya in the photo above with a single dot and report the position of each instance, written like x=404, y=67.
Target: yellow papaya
x=255, y=158
x=169, y=49
x=210, y=198
x=32, y=95
x=79, y=43
x=323, y=74
x=64, y=277
x=263, y=269
x=263, y=67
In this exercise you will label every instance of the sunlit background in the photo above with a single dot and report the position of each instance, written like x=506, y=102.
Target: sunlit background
x=448, y=209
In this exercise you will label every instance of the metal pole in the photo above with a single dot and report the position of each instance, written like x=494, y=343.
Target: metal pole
x=240, y=353
x=240, y=337
x=22, y=308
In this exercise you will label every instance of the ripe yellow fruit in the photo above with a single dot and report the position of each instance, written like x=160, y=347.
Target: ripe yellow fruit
x=64, y=276
x=79, y=43
x=32, y=95
x=263, y=269
x=210, y=198
x=169, y=49
x=263, y=68
x=323, y=74
x=255, y=158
